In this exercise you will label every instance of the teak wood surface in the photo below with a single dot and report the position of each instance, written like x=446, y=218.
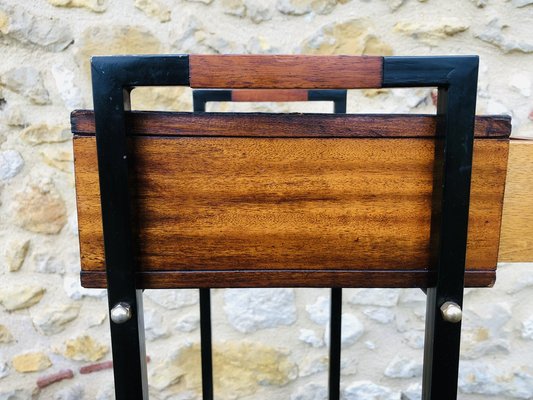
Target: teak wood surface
x=327, y=205
x=241, y=95
x=285, y=72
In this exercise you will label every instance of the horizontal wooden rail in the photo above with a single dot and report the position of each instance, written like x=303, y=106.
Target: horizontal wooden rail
x=344, y=208
x=287, y=125
x=285, y=72
x=252, y=95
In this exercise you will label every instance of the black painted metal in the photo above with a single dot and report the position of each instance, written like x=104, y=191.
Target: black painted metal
x=201, y=96
x=456, y=79
x=334, y=382
x=206, y=344
x=338, y=97
x=113, y=78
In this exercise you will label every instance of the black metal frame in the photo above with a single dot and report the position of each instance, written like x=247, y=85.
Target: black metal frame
x=202, y=96
x=456, y=79
x=338, y=97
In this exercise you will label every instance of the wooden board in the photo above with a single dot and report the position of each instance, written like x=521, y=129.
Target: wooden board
x=285, y=72
x=516, y=243
x=269, y=95
x=222, y=211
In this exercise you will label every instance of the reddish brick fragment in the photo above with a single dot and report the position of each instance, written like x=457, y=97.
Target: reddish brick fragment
x=47, y=380
x=434, y=96
x=87, y=369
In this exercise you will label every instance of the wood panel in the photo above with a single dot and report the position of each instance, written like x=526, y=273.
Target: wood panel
x=516, y=243
x=307, y=204
x=269, y=95
x=285, y=72
x=287, y=125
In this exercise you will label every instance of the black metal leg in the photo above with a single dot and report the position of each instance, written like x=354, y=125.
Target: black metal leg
x=206, y=344
x=335, y=344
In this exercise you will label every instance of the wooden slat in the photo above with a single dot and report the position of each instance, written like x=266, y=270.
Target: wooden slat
x=516, y=243
x=287, y=125
x=269, y=95
x=227, y=204
x=285, y=72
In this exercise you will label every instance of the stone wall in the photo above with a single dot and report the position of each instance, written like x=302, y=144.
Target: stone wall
x=54, y=341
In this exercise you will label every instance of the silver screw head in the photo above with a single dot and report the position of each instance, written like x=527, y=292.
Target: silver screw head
x=121, y=313
x=451, y=312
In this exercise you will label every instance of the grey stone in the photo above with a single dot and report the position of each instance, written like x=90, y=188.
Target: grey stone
x=173, y=299
x=48, y=264
x=310, y=337
x=68, y=90
x=367, y=390
x=188, y=323
x=493, y=34
x=154, y=325
x=11, y=163
x=527, y=328
x=413, y=392
x=49, y=33
x=73, y=289
x=380, y=314
x=403, y=367
x=351, y=330
x=319, y=311
x=375, y=297
x=17, y=394
x=522, y=3
x=28, y=82
x=249, y=310
x=54, y=318
x=311, y=391
x=70, y=393
x=4, y=369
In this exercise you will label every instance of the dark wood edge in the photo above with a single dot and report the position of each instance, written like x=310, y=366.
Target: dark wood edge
x=215, y=71
x=307, y=278
x=257, y=95
x=287, y=125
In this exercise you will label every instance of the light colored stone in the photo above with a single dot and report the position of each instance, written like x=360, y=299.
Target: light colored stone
x=11, y=163
x=40, y=208
x=200, y=1
x=93, y=5
x=234, y=7
x=431, y=33
x=17, y=394
x=154, y=325
x=366, y=390
x=15, y=116
x=403, y=367
x=527, y=328
x=49, y=33
x=154, y=8
x=48, y=264
x=413, y=392
x=85, y=348
x=395, y=4
x=480, y=3
x=188, y=323
x=260, y=45
x=54, y=318
x=302, y=7
x=106, y=393
x=352, y=37
x=493, y=34
x=257, y=11
x=521, y=83
x=310, y=337
x=18, y=297
x=4, y=369
x=241, y=368
x=16, y=253
x=319, y=311
x=248, y=310
x=311, y=365
x=5, y=335
x=28, y=82
x=43, y=133
x=351, y=330
x=74, y=392
x=370, y=345
x=61, y=159
x=414, y=339
x=69, y=91
x=173, y=299
x=375, y=297
x=31, y=362
x=522, y=3
x=73, y=289
x=311, y=391
x=380, y=314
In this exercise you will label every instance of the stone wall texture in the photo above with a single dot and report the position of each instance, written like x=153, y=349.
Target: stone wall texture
x=54, y=341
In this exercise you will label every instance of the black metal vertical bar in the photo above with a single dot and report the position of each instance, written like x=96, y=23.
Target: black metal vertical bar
x=112, y=79
x=456, y=78
x=335, y=344
x=206, y=344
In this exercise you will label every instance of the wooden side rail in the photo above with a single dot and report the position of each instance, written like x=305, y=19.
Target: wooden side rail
x=253, y=211
x=241, y=95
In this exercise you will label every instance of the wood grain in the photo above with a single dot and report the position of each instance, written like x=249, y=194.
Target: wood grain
x=269, y=95
x=307, y=204
x=516, y=243
x=287, y=125
x=285, y=72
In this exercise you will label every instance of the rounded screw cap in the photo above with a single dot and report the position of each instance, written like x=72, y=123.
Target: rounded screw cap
x=451, y=312
x=121, y=313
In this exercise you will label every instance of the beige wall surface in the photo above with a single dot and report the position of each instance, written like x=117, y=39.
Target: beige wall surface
x=54, y=334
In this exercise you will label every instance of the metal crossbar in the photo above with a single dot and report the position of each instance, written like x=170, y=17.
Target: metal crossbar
x=456, y=79
x=338, y=97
